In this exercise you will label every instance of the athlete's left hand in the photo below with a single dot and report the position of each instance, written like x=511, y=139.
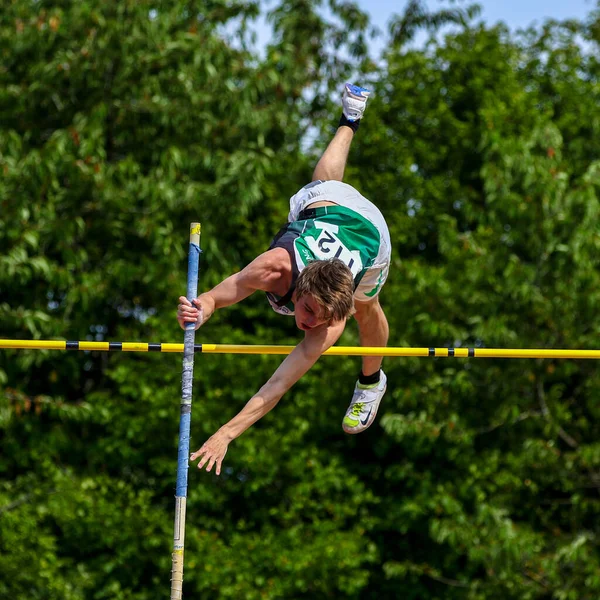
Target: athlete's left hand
x=213, y=452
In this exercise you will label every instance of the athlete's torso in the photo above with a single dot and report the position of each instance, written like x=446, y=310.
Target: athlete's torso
x=325, y=230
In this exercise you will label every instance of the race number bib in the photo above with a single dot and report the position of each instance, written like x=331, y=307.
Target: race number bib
x=329, y=245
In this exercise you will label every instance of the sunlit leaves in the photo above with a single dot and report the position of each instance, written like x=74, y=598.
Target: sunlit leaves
x=123, y=122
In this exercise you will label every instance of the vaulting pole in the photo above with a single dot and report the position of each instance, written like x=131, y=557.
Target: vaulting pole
x=333, y=351
x=184, y=421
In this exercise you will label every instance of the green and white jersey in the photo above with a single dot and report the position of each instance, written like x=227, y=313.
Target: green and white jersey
x=322, y=233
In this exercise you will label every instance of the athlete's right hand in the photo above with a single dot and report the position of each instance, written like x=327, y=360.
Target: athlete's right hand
x=198, y=311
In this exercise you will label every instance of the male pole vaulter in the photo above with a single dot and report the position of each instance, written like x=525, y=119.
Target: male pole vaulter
x=327, y=263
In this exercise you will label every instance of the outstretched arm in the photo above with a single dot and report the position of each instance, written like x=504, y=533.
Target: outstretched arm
x=261, y=274
x=301, y=359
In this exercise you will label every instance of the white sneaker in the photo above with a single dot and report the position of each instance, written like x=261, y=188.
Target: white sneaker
x=354, y=101
x=363, y=408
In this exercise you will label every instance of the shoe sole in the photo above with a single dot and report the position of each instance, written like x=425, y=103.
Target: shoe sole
x=355, y=430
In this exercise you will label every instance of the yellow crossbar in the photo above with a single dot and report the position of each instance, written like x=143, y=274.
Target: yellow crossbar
x=265, y=349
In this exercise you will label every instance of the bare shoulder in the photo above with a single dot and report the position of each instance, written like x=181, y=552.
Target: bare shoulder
x=270, y=271
x=277, y=259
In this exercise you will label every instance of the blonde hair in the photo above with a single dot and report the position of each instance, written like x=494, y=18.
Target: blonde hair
x=331, y=283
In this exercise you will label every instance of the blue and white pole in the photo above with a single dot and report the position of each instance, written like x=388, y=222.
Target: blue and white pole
x=185, y=420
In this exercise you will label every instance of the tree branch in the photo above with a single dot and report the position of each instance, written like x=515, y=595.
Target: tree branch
x=570, y=441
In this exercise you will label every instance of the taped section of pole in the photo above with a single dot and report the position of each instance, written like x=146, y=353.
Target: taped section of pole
x=333, y=351
x=183, y=451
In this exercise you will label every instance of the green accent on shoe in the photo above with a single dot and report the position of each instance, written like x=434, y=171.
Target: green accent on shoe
x=350, y=422
x=355, y=412
x=370, y=386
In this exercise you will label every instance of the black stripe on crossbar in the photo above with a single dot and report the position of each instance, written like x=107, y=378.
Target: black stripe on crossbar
x=155, y=347
x=431, y=351
x=115, y=346
x=197, y=347
x=72, y=346
x=471, y=352
x=450, y=351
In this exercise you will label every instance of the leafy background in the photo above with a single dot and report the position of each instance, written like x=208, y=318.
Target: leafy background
x=120, y=123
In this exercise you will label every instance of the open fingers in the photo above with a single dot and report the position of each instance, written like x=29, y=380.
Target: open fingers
x=211, y=462
x=208, y=458
x=195, y=455
x=204, y=459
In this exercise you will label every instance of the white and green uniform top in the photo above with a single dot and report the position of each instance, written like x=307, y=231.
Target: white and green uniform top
x=328, y=232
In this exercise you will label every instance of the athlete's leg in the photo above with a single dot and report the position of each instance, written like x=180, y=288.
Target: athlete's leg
x=373, y=330
x=372, y=383
x=332, y=164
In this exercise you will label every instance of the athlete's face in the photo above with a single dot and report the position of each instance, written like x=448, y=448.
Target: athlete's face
x=309, y=315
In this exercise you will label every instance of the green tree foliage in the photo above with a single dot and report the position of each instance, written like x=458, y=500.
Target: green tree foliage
x=491, y=181
x=123, y=122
